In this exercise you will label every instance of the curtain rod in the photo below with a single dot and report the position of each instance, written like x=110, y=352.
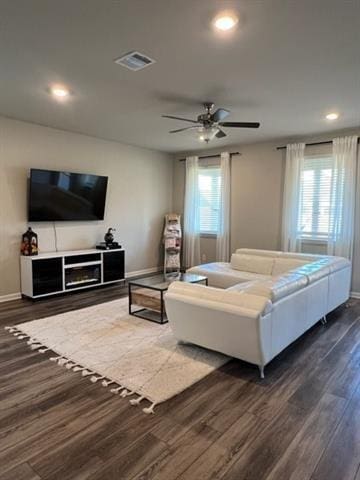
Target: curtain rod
x=210, y=156
x=327, y=142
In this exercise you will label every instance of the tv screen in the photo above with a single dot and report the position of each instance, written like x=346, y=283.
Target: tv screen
x=64, y=196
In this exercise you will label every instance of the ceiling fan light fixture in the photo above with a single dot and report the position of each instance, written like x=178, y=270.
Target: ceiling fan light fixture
x=207, y=134
x=225, y=21
x=332, y=116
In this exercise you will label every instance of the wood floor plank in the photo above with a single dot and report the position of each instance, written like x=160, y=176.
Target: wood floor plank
x=310, y=391
x=20, y=472
x=260, y=456
x=181, y=455
x=342, y=456
x=305, y=450
x=223, y=453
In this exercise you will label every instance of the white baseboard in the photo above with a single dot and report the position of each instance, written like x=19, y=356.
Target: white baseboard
x=138, y=273
x=9, y=297
x=355, y=294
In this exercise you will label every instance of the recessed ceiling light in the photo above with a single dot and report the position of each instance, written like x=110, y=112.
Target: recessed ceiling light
x=332, y=116
x=225, y=21
x=59, y=91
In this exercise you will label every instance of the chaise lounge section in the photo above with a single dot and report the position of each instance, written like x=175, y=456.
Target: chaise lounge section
x=259, y=303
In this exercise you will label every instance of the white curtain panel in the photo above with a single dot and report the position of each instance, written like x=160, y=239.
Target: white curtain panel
x=293, y=167
x=192, y=213
x=223, y=236
x=342, y=200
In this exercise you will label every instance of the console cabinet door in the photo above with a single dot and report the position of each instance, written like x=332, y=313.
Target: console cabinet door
x=47, y=276
x=114, y=267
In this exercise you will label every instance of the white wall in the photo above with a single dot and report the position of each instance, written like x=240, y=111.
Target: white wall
x=139, y=194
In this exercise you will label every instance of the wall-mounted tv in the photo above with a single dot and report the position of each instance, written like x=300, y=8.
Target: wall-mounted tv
x=65, y=196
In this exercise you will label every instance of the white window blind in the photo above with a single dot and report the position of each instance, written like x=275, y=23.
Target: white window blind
x=209, y=187
x=315, y=198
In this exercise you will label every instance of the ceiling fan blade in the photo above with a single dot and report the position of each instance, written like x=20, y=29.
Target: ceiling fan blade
x=182, y=129
x=240, y=124
x=179, y=118
x=220, y=114
x=220, y=134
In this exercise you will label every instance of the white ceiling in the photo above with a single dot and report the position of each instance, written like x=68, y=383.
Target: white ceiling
x=287, y=65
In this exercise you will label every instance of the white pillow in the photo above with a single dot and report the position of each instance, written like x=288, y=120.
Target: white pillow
x=282, y=265
x=252, y=263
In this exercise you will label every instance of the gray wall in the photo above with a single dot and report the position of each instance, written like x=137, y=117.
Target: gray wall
x=257, y=178
x=139, y=194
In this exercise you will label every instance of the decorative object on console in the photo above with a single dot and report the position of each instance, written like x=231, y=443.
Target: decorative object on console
x=172, y=243
x=29, y=243
x=109, y=237
x=109, y=243
x=131, y=355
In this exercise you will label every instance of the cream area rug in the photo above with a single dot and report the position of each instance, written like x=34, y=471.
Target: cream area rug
x=130, y=355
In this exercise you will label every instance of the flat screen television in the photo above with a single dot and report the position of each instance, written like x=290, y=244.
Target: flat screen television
x=65, y=196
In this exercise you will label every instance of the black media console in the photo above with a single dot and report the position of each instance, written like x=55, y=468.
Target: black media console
x=61, y=272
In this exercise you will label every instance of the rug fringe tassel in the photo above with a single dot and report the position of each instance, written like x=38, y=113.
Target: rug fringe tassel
x=70, y=365
x=94, y=378
x=77, y=368
x=106, y=383
x=86, y=373
x=149, y=410
x=36, y=346
x=62, y=361
x=127, y=393
x=54, y=359
x=136, y=401
x=43, y=350
x=12, y=329
x=116, y=390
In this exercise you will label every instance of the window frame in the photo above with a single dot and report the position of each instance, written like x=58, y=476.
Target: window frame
x=203, y=233
x=313, y=237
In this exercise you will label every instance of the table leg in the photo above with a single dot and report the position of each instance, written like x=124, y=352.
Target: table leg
x=161, y=307
x=129, y=287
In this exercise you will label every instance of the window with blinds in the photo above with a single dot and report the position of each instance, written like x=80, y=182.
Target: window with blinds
x=315, y=197
x=210, y=198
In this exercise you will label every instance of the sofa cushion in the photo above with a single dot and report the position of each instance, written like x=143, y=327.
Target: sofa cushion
x=278, y=287
x=221, y=275
x=283, y=265
x=252, y=263
x=310, y=257
x=313, y=271
x=259, y=253
x=240, y=287
x=239, y=299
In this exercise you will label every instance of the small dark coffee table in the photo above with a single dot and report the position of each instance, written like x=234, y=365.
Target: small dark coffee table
x=149, y=294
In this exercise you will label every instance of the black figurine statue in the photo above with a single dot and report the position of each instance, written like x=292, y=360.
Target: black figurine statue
x=109, y=237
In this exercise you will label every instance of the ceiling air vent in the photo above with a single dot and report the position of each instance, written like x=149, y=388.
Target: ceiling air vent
x=135, y=61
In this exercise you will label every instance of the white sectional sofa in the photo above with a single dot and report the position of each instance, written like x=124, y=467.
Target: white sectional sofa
x=257, y=304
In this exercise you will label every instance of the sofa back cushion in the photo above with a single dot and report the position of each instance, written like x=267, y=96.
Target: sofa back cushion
x=278, y=287
x=259, y=253
x=252, y=263
x=283, y=265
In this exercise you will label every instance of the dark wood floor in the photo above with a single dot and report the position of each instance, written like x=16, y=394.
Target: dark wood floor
x=301, y=423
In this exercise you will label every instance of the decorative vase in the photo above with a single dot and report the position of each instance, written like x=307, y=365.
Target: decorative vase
x=29, y=244
x=109, y=237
